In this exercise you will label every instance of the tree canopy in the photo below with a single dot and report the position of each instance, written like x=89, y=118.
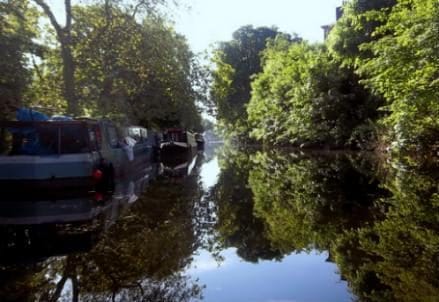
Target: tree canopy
x=372, y=85
x=303, y=96
x=236, y=62
x=18, y=28
x=119, y=59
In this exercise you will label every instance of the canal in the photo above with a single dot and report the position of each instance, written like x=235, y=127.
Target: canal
x=228, y=225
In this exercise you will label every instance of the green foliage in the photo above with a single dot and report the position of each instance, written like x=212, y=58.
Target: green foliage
x=404, y=69
x=304, y=96
x=236, y=62
x=129, y=66
x=236, y=225
x=45, y=90
x=357, y=26
x=393, y=46
x=377, y=84
x=18, y=26
x=144, y=71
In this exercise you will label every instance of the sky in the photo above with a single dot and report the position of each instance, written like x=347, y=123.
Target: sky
x=301, y=277
x=210, y=21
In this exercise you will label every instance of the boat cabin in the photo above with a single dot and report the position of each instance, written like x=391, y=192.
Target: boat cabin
x=177, y=141
x=59, y=153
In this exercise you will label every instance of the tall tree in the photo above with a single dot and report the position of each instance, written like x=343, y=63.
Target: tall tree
x=64, y=37
x=18, y=26
x=303, y=96
x=236, y=61
x=404, y=68
x=143, y=72
x=357, y=26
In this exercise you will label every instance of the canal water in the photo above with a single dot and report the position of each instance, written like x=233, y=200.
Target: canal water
x=228, y=225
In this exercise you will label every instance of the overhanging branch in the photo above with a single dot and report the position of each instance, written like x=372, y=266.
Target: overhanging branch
x=51, y=16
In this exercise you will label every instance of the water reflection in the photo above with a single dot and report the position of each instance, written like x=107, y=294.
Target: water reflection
x=236, y=224
x=252, y=226
x=130, y=245
x=378, y=223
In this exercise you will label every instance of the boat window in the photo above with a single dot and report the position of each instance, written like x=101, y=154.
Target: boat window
x=144, y=133
x=139, y=134
x=43, y=139
x=29, y=140
x=93, y=139
x=134, y=133
x=74, y=139
x=113, y=137
x=176, y=136
x=96, y=130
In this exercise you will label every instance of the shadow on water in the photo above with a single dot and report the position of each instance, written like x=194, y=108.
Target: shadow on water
x=376, y=221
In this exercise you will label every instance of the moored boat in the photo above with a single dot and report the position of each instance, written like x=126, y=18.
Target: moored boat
x=56, y=154
x=37, y=152
x=177, y=141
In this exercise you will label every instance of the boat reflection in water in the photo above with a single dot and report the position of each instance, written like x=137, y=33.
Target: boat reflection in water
x=126, y=245
x=182, y=166
x=58, y=223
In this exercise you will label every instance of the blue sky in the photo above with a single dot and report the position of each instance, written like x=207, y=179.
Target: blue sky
x=302, y=277
x=211, y=21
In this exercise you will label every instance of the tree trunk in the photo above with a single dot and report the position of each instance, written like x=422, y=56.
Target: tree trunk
x=69, y=78
x=64, y=36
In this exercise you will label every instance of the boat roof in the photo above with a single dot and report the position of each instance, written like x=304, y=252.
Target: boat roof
x=175, y=129
x=20, y=124
x=135, y=127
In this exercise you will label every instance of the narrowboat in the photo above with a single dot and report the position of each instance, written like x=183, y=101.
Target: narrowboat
x=60, y=153
x=177, y=141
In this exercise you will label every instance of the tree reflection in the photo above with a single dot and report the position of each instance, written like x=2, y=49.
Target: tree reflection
x=308, y=201
x=399, y=253
x=380, y=225
x=378, y=221
x=142, y=257
x=236, y=226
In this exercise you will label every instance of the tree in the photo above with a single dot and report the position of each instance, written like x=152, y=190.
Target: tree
x=404, y=69
x=141, y=72
x=303, y=96
x=64, y=37
x=236, y=62
x=129, y=69
x=392, y=46
x=18, y=26
x=357, y=26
